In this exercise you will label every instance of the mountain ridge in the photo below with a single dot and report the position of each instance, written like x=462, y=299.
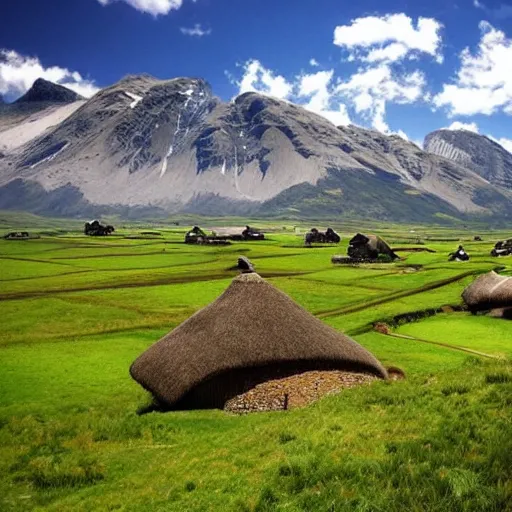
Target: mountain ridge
x=44, y=91
x=171, y=145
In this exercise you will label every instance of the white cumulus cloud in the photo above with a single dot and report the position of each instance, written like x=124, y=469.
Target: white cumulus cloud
x=470, y=127
x=322, y=98
x=389, y=38
x=197, y=30
x=503, y=142
x=387, y=47
x=371, y=89
x=404, y=136
x=19, y=72
x=153, y=7
x=392, y=52
x=379, y=114
x=483, y=84
x=387, y=50
x=315, y=92
x=367, y=91
x=257, y=78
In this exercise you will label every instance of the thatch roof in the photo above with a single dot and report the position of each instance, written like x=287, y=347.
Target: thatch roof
x=251, y=325
x=379, y=244
x=489, y=291
x=369, y=247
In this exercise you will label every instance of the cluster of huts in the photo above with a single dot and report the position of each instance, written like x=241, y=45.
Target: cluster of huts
x=20, y=235
x=501, y=248
x=318, y=237
x=95, y=228
x=266, y=343
x=265, y=351
x=197, y=236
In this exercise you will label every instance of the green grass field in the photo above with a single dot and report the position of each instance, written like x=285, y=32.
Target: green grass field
x=76, y=311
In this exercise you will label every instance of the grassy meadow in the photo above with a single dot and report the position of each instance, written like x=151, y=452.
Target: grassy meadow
x=76, y=311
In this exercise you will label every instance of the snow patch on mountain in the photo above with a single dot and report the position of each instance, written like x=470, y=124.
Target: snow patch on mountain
x=136, y=99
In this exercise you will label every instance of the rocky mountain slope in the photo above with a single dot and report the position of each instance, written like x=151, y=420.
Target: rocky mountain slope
x=145, y=146
x=477, y=152
x=42, y=90
x=44, y=106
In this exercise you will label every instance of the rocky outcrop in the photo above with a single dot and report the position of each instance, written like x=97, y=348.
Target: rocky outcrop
x=45, y=91
x=476, y=152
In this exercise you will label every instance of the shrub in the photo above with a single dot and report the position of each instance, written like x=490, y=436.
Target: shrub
x=267, y=501
x=455, y=389
x=498, y=378
x=47, y=472
x=190, y=486
x=384, y=258
x=286, y=437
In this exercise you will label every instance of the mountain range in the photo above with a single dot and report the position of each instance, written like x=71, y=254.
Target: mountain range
x=147, y=147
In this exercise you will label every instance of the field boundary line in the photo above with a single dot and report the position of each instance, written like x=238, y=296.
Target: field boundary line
x=397, y=295
x=177, y=279
x=442, y=344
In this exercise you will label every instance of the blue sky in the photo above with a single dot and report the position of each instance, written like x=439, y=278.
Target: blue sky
x=399, y=66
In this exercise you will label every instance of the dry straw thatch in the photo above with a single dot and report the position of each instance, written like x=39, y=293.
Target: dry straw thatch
x=489, y=291
x=250, y=334
x=369, y=247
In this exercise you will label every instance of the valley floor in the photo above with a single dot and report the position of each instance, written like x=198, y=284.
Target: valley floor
x=76, y=311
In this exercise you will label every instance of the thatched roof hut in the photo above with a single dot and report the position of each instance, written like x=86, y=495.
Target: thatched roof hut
x=502, y=248
x=489, y=291
x=459, y=255
x=329, y=237
x=369, y=247
x=251, y=334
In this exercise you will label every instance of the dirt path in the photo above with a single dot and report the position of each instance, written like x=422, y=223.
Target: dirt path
x=442, y=344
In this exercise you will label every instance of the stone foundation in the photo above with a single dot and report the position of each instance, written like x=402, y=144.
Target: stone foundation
x=295, y=391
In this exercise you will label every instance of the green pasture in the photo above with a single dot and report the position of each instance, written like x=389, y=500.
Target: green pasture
x=76, y=311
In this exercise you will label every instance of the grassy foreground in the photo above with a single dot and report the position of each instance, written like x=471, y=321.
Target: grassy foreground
x=77, y=311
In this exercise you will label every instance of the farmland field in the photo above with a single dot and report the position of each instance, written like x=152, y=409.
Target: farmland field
x=76, y=311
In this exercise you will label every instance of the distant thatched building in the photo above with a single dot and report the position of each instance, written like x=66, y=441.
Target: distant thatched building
x=252, y=234
x=17, y=235
x=459, y=255
x=369, y=247
x=502, y=248
x=251, y=334
x=197, y=236
x=95, y=228
x=318, y=237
